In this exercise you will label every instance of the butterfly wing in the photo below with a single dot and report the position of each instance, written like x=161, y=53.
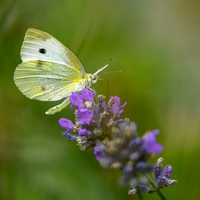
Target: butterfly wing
x=47, y=81
x=39, y=45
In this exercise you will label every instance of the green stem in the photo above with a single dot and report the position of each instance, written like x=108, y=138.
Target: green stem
x=139, y=193
x=160, y=194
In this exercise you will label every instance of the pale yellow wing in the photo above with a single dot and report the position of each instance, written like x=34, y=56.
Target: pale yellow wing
x=47, y=81
x=39, y=45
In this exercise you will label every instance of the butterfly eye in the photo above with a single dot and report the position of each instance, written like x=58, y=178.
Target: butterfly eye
x=42, y=50
x=94, y=78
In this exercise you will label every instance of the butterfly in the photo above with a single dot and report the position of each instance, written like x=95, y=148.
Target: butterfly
x=50, y=71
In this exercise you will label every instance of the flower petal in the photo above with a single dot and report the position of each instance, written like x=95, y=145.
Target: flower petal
x=150, y=144
x=98, y=153
x=167, y=172
x=76, y=100
x=88, y=95
x=116, y=105
x=85, y=116
x=83, y=132
x=71, y=136
x=66, y=123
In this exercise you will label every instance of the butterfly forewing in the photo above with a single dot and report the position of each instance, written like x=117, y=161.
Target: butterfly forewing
x=39, y=45
x=46, y=81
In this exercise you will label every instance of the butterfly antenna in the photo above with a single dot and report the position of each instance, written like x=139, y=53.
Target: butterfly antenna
x=119, y=71
x=101, y=69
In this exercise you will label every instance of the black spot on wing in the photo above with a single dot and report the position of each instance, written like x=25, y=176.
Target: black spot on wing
x=42, y=51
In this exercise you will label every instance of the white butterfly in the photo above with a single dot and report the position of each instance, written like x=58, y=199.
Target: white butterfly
x=50, y=71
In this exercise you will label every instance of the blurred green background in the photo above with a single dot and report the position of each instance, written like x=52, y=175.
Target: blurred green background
x=156, y=45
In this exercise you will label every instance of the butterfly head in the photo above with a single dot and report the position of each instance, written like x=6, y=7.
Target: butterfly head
x=94, y=78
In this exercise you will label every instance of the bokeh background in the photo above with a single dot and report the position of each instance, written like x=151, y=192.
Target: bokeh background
x=156, y=45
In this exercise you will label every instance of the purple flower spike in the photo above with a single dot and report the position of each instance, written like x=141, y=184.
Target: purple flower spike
x=66, y=123
x=88, y=95
x=162, y=176
x=76, y=100
x=85, y=116
x=150, y=144
x=99, y=124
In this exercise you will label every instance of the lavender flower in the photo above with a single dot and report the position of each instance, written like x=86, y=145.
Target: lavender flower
x=128, y=152
x=162, y=175
x=150, y=144
x=93, y=121
x=161, y=178
x=115, y=140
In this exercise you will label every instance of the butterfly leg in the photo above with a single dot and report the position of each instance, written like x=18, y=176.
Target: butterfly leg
x=58, y=108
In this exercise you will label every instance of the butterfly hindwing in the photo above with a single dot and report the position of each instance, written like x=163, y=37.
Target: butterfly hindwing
x=46, y=81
